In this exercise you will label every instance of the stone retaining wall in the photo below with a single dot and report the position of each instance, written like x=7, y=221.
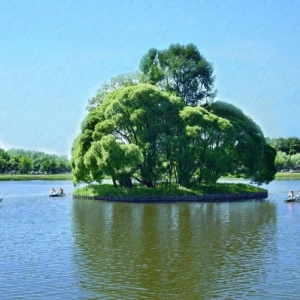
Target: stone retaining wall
x=174, y=199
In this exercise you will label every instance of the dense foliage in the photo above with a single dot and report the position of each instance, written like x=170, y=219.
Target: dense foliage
x=286, y=162
x=114, y=84
x=158, y=131
x=25, y=161
x=180, y=69
x=289, y=146
x=288, y=153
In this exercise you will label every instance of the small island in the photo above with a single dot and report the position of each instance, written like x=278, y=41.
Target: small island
x=205, y=193
x=160, y=136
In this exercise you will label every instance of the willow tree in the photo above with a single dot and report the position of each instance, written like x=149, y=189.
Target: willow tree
x=168, y=129
x=119, y=161
x=209, y=141
x=267, y=169
x=252, y=157
x=142, y=133
x=127, y=136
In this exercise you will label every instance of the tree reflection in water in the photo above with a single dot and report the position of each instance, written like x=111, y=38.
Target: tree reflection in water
x=173, y=251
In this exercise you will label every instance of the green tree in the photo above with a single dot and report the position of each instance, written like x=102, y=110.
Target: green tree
x=62, y=164
x=295, y=159
x=139, y=115
x=114, y=84
x=286, y=161
x=180, y=69
x=4, y=161
x=48, y=166
x=120, y=161
x=209, y=142
x=143, y=133
x=14, y=163
x=267, y=170
x=294, y=145
x=151, y=134
x=289, y=145
x=249, y=139
x=25, y=164
x=283, y=160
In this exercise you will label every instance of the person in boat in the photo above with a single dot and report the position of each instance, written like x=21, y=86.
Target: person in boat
x=291, y=195
x=61, y=191
x=53, y=191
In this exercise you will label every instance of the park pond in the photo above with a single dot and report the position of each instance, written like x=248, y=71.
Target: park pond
x=62, y=248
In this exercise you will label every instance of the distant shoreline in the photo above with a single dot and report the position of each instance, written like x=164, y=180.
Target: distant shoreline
x=24, y=177
x=7, y=177
x=287, y=175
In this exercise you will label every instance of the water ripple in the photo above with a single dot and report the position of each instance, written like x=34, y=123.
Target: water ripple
x=72, y=249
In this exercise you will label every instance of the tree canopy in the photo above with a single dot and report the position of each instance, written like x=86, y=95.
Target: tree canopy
x=180, y=69
x=290, y=145
x=142, y=133
x=162, y=126
x=139, y=119
x=113, y=84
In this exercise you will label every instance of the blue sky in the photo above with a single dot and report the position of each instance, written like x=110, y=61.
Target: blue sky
x=54, y=55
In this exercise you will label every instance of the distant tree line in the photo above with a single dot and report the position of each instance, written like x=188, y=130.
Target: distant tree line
x=288, y=152
x=26, y=161
x=289, y=145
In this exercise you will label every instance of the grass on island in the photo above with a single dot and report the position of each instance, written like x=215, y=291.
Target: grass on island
x=219, y=188
x=5, y=177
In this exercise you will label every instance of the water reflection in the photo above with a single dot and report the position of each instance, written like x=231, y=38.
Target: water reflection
x=176, y=251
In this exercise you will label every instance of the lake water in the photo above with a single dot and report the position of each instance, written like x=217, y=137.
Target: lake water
x=60, y=248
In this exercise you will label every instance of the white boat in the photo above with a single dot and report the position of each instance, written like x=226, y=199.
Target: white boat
x=57, y=195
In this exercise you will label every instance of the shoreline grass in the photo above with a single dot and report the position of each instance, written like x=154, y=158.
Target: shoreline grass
x=21, y=177
x=287, y=175
x=219, y=188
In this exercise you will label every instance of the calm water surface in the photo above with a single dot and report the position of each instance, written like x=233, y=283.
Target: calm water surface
x=60, y=248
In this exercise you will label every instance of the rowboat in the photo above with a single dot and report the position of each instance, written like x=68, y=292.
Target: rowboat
x=57, y=195
x=292, y=199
